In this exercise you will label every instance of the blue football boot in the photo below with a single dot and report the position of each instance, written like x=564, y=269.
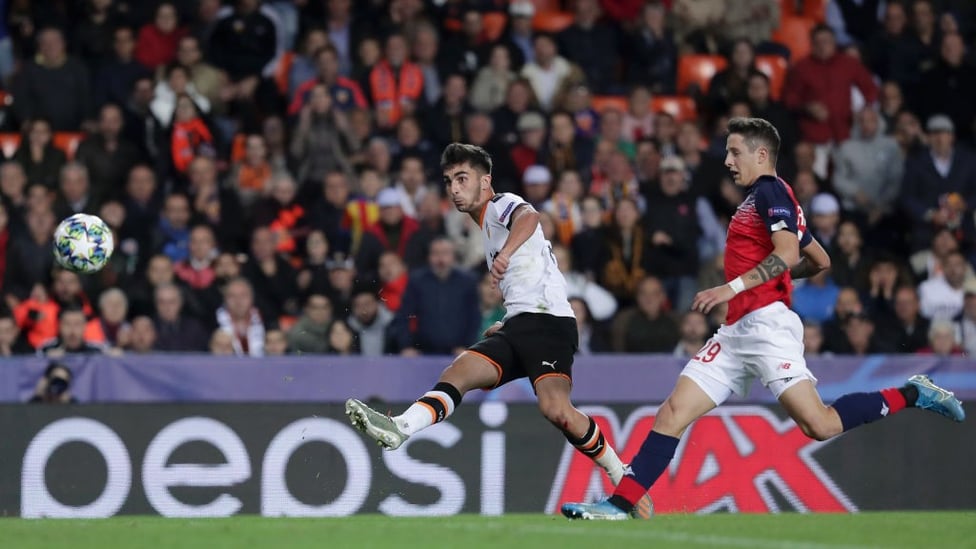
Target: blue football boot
x=936, y=399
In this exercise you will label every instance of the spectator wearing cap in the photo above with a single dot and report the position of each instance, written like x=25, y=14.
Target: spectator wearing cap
x=950, y=85
x=942, y=296
x=519, y=36
x=440, y=312
x=967, y=320
x=531, y=128
x=342, y=279
x=671, y=223
x=395, y=231
x=824, y=219
x=370, y=321
x=868, y=169
x=536, y=185
x=491, y=84
x=939, y=186
x=310, y=334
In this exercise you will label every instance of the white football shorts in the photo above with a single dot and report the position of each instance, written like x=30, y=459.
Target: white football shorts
x=766, y=343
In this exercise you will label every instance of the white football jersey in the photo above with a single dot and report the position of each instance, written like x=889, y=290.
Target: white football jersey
x=532, y=283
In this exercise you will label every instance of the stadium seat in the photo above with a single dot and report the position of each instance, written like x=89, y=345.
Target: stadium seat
x=794, y=33
x=679, y=106
x=552, y=21
x=9, y=141
x=68, y=142
x=601, y=103
x=773, y=66
x=494, y=25
x=282, y=71
x=698, y=69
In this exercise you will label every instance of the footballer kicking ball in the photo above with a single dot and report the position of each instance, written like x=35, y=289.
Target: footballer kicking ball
x=83, y=243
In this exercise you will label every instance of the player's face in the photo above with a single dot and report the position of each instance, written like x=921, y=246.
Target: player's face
x=466, y=187
x=743, y=163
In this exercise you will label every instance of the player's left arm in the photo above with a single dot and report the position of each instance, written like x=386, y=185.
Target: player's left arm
x=523, y=222
x=813, y=259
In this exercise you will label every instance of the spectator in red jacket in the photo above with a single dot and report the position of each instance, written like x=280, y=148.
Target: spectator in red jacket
x=158, y=40
x=818, y=89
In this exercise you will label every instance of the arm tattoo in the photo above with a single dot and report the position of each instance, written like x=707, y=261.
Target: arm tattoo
x=804, y=269
x=769, y=268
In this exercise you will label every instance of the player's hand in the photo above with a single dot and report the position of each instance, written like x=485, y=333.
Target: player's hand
x=498, y=267
x=492, y=329
x=706, y=300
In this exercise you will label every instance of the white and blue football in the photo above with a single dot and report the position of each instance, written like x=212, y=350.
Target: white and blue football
x=83, y=243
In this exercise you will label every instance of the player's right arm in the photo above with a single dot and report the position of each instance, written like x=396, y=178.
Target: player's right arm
x=786, y=252
x=813, y=259
x=524, y=220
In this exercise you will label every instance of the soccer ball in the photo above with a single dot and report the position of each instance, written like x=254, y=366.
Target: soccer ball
x=83, y=243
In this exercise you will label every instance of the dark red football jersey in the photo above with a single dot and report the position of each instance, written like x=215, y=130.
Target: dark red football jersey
x=768, y=207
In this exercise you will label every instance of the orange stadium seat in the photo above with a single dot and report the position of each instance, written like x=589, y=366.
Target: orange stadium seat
x=679, y=106
x=698, y=69
x=774, y=66
x=552, y=21
x=601, y=103
x=494, y=25
x=794, y=33
x=68, y=142
x=9, y=141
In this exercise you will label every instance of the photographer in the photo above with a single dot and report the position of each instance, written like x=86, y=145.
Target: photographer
x=55, y=386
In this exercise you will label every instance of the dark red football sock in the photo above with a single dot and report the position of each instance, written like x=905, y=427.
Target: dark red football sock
x=895, y=399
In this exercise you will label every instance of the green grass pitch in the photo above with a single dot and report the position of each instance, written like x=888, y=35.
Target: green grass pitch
x=781, y=531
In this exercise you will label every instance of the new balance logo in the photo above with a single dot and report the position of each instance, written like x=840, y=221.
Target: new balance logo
x=550, y=364
x=884, y=408
x=785, y=366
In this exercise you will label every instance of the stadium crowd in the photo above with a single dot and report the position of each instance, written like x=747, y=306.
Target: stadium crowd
x=270, y=169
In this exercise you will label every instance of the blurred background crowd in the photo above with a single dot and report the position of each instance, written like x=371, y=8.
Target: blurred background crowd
x=270, y=169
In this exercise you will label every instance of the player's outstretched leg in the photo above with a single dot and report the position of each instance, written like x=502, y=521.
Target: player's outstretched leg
x=852, y=410
x=687, y=403
x=468, y=371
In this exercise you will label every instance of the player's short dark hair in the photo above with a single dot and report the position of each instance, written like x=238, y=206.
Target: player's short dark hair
x=461, y=153
x=756, y=132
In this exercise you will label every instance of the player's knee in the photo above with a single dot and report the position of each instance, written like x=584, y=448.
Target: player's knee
x=557, y=411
